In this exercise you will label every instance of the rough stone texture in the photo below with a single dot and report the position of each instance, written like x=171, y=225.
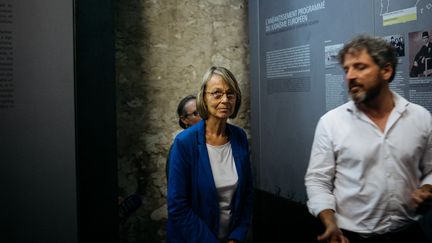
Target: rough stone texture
x=163, y=47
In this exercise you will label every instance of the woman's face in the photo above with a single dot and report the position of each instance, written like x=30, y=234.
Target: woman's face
x=219, y=98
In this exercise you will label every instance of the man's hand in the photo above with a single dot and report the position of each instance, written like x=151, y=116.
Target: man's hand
x=422, y=194
x=332, y=233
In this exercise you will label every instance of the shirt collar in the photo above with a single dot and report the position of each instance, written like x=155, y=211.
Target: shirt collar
x=400, y=102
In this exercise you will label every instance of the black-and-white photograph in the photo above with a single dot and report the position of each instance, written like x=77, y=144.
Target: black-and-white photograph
x=420, y=53
x=398, y=43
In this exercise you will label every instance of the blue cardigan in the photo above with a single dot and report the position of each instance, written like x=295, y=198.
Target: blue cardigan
x=193, y=206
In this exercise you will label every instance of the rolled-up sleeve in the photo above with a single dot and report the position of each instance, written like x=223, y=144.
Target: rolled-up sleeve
x=320, y=173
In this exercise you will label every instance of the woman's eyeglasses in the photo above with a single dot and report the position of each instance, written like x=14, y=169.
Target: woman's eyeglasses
x=218, y=94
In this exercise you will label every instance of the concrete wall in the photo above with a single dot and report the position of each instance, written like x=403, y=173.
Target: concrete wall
x=163, y=47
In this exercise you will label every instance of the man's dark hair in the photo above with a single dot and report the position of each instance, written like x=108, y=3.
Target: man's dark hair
x=382, y=52
x=181, y=112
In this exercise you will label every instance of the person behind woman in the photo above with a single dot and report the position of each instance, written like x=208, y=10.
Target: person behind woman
x=210, y=192
x=188, y=116
x=187, y=112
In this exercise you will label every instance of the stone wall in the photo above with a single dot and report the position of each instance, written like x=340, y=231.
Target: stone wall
x=163, y=47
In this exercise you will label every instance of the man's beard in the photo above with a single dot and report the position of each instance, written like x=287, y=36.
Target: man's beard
x=365, y=96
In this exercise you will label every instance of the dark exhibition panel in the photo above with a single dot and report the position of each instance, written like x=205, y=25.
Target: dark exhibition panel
x=295, y=79
x=95, y=116
x=58, y=128
x=38, y=179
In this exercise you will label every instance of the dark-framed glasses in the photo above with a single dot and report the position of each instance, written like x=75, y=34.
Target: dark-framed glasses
x=219, y=93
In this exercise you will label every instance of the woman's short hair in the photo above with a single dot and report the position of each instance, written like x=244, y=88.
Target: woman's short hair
x=181, y=112
x=229, y=79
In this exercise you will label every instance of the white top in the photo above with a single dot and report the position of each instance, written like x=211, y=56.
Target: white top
x=368, y=176
x=225, y=177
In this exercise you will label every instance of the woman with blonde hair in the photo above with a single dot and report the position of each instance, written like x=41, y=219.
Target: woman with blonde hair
x=210, y=192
